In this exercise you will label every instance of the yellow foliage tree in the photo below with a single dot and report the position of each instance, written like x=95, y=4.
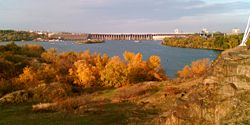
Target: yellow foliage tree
x=156, y=72
x=136, y=67
x=114, y=73
x=28, y=78
x=197, y=68
x=85, y=74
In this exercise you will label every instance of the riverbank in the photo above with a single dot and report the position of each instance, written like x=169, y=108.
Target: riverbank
x=219, y=42
x=12, y=35
x=190, y=47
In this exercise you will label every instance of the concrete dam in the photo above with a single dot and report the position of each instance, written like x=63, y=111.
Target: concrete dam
x=117, y=36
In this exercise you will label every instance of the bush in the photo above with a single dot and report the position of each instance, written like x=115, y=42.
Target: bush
x=52, y=92
x=86, y=74
x=28, y=78
x=50, y=56
x=32, y=50
x=186, y=72
x=115, y=73
x=197, y=68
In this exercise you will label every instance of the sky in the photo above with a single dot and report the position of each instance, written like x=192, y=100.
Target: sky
x=124, y=16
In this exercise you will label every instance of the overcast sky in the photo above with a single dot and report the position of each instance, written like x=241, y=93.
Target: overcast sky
x=124, y=15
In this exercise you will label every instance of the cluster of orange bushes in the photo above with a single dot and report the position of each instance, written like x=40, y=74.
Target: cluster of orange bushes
x=197, y=68
x=91, y=69
x=97, y=70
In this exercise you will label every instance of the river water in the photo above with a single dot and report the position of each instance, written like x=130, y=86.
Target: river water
x=172, y=59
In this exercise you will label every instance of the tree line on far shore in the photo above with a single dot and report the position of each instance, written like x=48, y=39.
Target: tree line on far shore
x=218, y=42
x=12, y=35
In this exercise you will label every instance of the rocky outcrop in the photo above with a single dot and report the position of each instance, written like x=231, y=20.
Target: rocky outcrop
x=15, y=97
x=218, y=98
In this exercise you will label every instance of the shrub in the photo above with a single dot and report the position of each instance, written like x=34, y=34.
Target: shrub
x=139, y=70
x=50, y=55
x=85, y=74
x=114, y=73
x=50, y=92
x=185, y=72
x=197, y=68
x=32, y=50
x=156, y=72
x=28, y=78
x=7, y=69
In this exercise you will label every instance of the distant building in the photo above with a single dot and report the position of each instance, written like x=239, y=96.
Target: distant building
x=235, y=31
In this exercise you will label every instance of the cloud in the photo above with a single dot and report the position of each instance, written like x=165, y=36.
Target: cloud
x=120, y=15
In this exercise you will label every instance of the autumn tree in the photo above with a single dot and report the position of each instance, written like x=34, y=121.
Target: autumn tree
x=197, y=68
x=85, y=74
x=155, y=71
x=114, y=73
x=136, y=67
x=28, y=78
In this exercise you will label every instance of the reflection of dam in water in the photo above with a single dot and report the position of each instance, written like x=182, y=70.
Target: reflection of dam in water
x=118, y=36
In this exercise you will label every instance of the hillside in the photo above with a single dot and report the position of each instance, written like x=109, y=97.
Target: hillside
x=221, y=96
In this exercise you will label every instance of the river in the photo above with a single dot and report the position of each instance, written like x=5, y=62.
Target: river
x=172, y=58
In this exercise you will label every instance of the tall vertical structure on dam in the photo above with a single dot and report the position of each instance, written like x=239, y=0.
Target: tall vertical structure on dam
x=246, y=34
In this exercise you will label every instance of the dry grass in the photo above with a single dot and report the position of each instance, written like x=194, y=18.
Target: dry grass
x=134, y=91
x=71, y=104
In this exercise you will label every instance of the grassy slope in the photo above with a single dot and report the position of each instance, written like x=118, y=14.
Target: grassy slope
x=121, y=112
x=113, y=114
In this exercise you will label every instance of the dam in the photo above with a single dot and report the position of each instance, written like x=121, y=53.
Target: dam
x=118, y=36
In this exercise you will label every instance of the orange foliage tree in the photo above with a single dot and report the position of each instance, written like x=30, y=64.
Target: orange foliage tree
x=197, y=68
x=86, y=71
